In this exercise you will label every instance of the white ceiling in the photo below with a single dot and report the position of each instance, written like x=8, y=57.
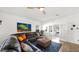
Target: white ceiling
x=36, y=15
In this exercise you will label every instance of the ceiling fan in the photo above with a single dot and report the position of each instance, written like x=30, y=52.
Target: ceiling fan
x=42, y=9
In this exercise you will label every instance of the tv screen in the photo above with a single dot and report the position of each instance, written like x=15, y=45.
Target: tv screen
x=21, y=27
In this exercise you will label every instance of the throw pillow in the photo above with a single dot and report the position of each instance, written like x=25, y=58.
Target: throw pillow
x=26, y=47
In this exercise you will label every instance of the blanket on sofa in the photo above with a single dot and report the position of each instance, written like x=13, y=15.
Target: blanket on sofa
x=10, y=44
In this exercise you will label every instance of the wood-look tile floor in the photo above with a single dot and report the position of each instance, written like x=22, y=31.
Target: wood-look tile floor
x=69, y=47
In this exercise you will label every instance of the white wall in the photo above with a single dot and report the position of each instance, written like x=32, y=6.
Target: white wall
x=9, y=24
x=65, y=25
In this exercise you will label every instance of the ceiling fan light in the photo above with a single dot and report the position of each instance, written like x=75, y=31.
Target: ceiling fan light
x=41, y=9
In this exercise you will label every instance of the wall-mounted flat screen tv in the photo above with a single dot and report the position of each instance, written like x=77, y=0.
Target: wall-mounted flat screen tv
x=21, y=27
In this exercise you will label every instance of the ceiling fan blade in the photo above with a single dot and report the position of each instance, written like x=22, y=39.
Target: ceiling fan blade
x=35, y=7
x=30, y=7
x=38, y=8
